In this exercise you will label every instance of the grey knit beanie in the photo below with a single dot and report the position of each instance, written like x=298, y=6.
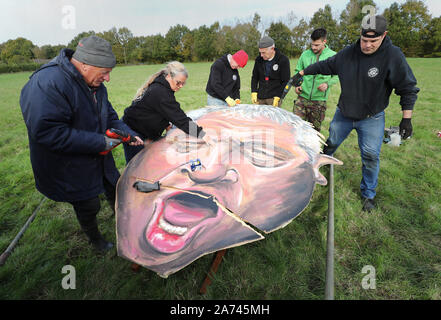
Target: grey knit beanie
x=266, y=42
x=95, y=51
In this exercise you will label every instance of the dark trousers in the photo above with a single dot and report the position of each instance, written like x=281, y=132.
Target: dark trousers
x=86, y=210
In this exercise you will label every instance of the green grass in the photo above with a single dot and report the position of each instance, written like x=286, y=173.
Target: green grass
x=401, y=239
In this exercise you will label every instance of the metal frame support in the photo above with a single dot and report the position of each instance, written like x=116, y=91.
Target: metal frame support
x=329, y=288
x=5, y=255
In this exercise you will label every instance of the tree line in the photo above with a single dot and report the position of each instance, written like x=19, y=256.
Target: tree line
x=411, y=28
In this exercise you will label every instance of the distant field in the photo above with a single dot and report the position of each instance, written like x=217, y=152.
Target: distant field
x=401, y=239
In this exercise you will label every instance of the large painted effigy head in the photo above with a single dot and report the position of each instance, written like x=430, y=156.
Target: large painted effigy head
x=181, y=198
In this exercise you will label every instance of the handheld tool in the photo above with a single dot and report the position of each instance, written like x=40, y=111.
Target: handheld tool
x=296, y=80
x=392, y=136
x=120, y=135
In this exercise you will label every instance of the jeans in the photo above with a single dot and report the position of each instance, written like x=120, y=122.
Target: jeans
x=370, y=133
x=212, y=101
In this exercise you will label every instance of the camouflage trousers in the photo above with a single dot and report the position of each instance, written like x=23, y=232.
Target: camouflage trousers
x=311, y=111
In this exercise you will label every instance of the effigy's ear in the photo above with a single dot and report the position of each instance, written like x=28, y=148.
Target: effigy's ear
x=322, y=160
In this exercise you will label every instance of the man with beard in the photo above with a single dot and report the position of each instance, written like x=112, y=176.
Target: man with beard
x=314, y=91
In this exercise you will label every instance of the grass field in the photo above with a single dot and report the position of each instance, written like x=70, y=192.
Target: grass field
x=401, y=239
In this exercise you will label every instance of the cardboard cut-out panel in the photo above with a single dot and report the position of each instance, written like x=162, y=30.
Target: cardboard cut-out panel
x=180, y=198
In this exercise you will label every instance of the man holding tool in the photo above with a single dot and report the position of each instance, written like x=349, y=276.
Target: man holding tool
x=67, y=112
x=314, y=92
x=368, y=71
x=270, y=74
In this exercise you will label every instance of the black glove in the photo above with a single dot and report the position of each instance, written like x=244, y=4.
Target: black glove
x=405, y=128
x=297, y=80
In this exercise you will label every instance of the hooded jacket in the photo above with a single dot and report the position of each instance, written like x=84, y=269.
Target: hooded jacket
x=66, y=131
x=269, y=78
x=311, y=83
x=153, y=111
x=223, y=81
x=367, y=81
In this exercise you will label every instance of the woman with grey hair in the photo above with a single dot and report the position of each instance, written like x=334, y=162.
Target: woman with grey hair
x=155, y=108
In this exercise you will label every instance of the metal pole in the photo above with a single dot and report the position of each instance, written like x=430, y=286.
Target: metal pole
x=14, y=242
x=329, y=289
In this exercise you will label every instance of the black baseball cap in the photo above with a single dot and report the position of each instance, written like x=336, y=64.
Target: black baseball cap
x=378, y=27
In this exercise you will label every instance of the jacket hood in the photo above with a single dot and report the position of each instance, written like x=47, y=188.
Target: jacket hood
x=225, y=60
x=162, y=81
x=277, y=55
x=63, y=61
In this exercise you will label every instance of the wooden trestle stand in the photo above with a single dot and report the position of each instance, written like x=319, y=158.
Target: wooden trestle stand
x=217, y=260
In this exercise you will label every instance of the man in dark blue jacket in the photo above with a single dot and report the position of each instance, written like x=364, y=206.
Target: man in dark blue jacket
x=368, y=71
x=66, y=111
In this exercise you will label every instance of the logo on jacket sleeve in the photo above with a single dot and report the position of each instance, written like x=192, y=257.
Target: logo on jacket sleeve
x=373, y=72
x=234, y=77
x=276, y=67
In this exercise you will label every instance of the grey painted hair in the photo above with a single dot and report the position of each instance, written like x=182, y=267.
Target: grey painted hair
x=307, y=137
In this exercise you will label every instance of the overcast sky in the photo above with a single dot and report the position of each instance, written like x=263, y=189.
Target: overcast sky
x=59, y=21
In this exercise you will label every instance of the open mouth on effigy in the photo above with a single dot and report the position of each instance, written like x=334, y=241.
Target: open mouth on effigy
x=178, y=217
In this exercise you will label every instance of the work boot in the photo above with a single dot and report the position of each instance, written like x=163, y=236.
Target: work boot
x=96, y=239
x=100, y=244
x=368, y=204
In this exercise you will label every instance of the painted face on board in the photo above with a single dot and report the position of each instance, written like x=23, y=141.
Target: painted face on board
x=255, y=172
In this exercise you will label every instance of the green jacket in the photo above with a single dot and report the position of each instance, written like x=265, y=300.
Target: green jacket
x=311, y=82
